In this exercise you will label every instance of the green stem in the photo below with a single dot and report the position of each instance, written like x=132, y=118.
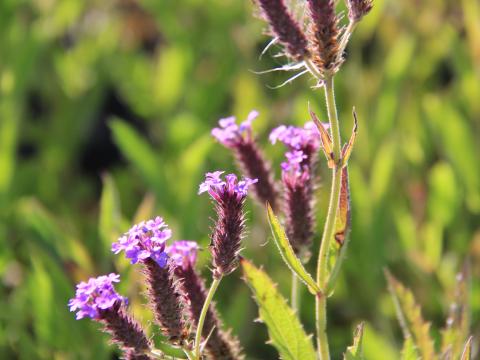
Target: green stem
x=203, y=315
x=328, y=231
x=294, y=299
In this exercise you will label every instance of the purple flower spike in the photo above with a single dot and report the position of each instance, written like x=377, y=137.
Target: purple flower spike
x=145, y=240
x=183, y=253
x=217, y=187
x=220, y=344
x=230, y=134
x=229, y=196
x=297, y=138
x=95, y=295
x=240, y=139
x=98, y=300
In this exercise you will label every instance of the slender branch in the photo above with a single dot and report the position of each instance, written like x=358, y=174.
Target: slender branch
x=322, y=268
x=203, y=315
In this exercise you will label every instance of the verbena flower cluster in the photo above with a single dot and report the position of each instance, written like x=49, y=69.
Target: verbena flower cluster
x=176, y=292
x=298, y=174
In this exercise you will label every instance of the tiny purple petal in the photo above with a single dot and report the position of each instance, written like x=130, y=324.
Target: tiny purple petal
x=97, y=293
x=183, y=253
x=216, y=186
x=144, y=240
x=230, y=134
x=296, y=138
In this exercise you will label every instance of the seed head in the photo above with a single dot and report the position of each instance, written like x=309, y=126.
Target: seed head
x=285, y=28
x=323, y=35
x=357, y=9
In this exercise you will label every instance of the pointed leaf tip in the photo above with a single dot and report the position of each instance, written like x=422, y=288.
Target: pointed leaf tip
x=355, y=351
x=410, y=317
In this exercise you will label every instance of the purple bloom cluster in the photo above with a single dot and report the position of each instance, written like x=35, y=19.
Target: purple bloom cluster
x=183, y=253
x=297, y=138
x=215, y=186
x=145, y=240
x=230, y=134
x=229, y=195
x=94, y=295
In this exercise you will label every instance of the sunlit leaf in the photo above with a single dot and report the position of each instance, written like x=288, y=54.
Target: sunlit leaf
x=285, y=330
x=348, y=147
x=467, y=350
x=410, y=317
x=288, y=255
x=326, y=140
x=355, y=352
x=457, y=328
x=409, y=351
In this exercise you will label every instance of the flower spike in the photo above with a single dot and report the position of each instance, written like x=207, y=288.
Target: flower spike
x=229, y=196
x=240, y=139
x=98, y=300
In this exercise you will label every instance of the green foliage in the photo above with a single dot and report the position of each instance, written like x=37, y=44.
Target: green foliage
x=355, y=351
x=169, y=70
x=287, y=253
x=410, y=317
x=285, y=330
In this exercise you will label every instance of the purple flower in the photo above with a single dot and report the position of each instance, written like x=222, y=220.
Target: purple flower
x=183, y=253
x=145, y=240
x=229, y=196
x=297, y=138
x=215, y=186
x=230, y=134
x=95, y=295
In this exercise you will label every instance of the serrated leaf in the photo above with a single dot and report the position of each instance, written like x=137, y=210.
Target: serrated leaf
x=285, y=330
x=458, y=321
x=409, y=352
x=355, y=352
x=410, y=317
x=467, y=350
x=339, y=244
x=108, y=225
x=287, y=253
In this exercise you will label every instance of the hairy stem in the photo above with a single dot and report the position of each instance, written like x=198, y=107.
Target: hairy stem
x=322, y=269
x=203, y=315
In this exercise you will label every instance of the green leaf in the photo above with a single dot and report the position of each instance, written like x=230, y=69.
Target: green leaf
x=109, y=222
x=409, y=352
x=355, y=352
x=458, y=322
x=339, y=243
x=288, y=255
x=140, y=154
x=285, y=330
x=410, y=317
x=467, y=351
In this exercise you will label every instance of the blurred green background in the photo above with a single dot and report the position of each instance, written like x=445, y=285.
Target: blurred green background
x=105, y=116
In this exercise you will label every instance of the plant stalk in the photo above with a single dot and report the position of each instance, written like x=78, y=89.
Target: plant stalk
x=294, y=298
x=328, y=231
x=203, y=315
